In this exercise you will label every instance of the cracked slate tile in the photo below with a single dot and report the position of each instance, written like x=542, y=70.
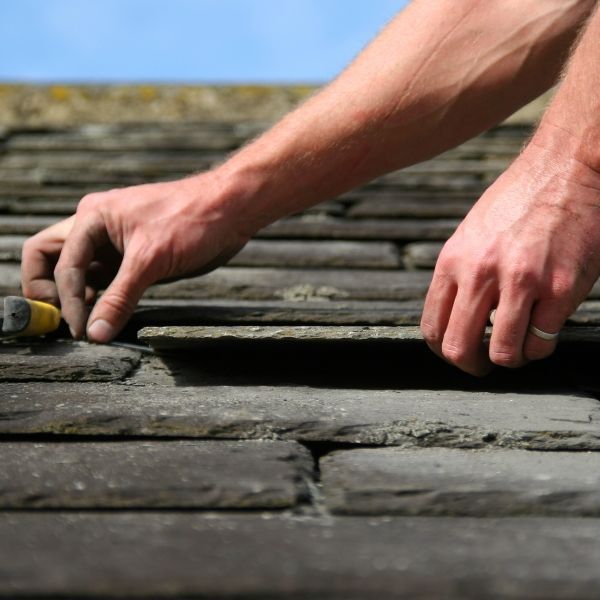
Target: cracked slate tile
x=445, y=418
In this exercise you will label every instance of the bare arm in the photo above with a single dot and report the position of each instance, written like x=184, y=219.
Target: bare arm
x=439, y=73
x=530, y=247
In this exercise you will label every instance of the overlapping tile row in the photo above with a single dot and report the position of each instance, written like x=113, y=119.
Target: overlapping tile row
x=245, y=457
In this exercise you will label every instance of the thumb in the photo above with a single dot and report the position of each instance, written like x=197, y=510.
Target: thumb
x=117, y=303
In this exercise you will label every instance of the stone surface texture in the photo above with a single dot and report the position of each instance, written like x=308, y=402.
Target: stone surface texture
x=157, y=474
x=291, y=436
x=441, y=481
x=65, y=361
x=232, y=556
x=390, y=417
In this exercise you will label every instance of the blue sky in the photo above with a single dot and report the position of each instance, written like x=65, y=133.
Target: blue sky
x=203, y=41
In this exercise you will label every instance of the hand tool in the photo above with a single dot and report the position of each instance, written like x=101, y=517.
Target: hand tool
x=21, y=317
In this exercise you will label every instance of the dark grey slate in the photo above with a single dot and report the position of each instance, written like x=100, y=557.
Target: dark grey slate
x=10, y=247
x=421, y=255
x=188, y=555
x=10, y=279
x=445, y=418
x=308, y=227
x=391, y=207
x=188, y=336
x=442, y=481
x=65, y=361
x=220, y=311
x=298, y=284
x=157, y=474
x=319, y=254
x=24, y=225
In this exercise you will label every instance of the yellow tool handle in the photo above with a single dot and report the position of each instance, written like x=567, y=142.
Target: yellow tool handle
x=23, y=317
x=45, y=318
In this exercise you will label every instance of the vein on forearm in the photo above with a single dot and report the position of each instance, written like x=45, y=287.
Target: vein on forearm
x=438, y=74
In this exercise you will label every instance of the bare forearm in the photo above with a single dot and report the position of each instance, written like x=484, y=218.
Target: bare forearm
x=440, y=73
x=571, y=125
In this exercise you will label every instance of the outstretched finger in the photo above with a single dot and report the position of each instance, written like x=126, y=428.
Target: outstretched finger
x=78, y=252
x=117, y=303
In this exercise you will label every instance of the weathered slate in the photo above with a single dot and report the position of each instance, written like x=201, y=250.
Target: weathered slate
x=421, y=255
x=38, y=206
x=92, y=178
x=132, y=162
x=587, y=313
x=298, y=284
x=306, y=227
x=65, y=361
x=10, y=279
x=125, y=141
x=230, y=312
x=318, y=254
x=393, y=208
x=310, y=227
x=11, y=247
x=186, y=336
x=458, y=166
x=157, y=474
x=461, y=181
x=448, y=418
x=24, y=225
x=24, y=190
x=442, y=481
x=281, y=312
x=188, y=555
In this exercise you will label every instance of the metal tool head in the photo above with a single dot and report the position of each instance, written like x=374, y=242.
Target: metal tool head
x=16, y=315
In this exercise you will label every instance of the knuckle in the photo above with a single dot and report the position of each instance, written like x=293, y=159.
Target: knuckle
x=481, y=270
x=561, y=291
x=89, y=202
x=431, y=334
x=118, y=303
x=505, y=357
x=30, y=245
x=523, y=277
x=455, y=352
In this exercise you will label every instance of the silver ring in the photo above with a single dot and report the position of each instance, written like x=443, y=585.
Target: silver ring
x=543, y=335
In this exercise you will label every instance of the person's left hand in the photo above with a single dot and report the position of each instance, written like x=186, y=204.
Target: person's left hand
x=529, y=248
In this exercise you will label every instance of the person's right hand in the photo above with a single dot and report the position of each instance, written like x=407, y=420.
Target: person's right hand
x=124, y=240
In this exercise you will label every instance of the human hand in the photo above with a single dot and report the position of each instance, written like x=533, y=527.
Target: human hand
x=529, y=248
x=125, y=240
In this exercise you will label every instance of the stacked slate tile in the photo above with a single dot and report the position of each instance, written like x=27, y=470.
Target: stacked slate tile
x=277, y=428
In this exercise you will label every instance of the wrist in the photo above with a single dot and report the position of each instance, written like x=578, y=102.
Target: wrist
x=558, y=149
x=227, y=196
x=569, y=145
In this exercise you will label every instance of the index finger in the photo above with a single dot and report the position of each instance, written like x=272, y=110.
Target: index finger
x=39, y=257
x=88, y=233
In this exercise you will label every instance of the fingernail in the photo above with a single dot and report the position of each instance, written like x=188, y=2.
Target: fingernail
x=101, y=331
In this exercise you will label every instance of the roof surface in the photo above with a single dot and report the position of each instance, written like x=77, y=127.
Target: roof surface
x=288, y=434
